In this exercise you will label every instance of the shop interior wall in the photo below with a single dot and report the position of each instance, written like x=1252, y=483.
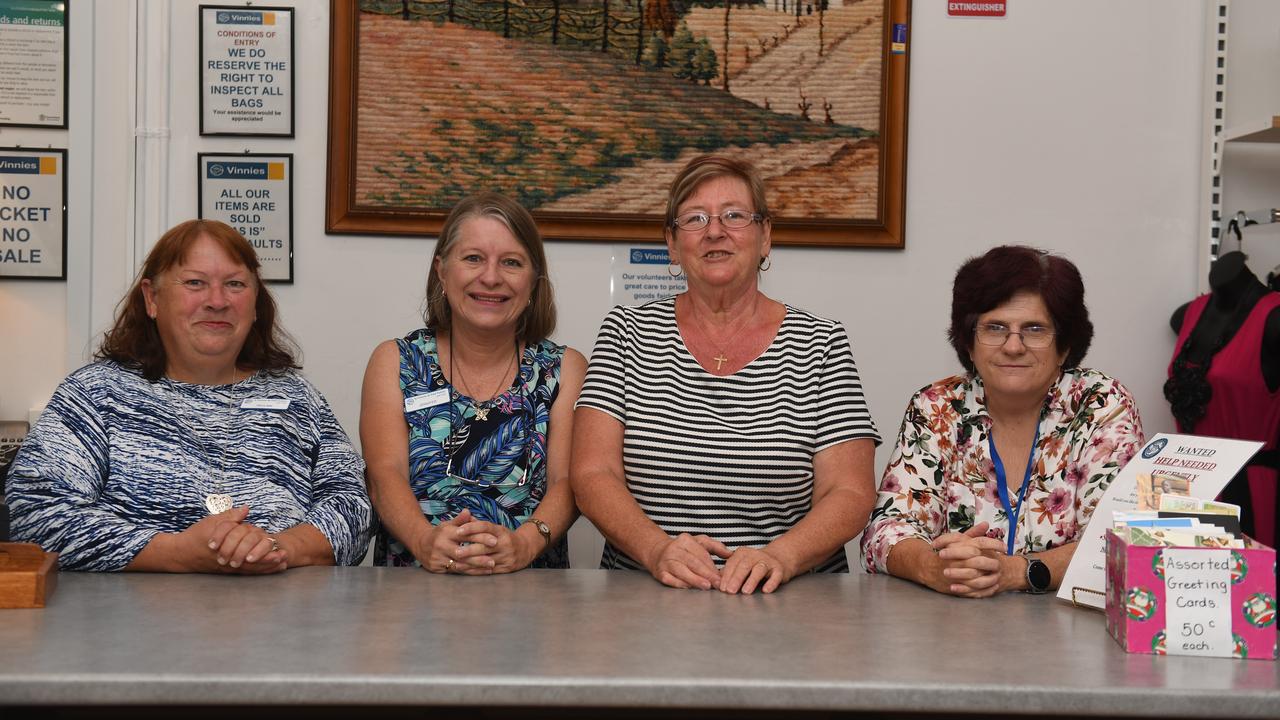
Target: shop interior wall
x=1075, y=127
x=1251, y=171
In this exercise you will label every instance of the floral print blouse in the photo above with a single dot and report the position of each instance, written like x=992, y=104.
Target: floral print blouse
x=941, y=478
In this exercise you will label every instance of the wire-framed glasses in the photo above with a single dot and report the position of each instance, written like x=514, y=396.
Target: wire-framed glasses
x=997, y=334
x=734, y=219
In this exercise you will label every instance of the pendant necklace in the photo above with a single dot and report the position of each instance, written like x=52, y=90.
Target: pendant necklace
x=457, y=438
x=216, y=500
x=481, y=408
x=455, y=441
x=720, y=357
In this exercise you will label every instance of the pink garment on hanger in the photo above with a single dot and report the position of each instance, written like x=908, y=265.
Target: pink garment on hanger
x=1242, y=407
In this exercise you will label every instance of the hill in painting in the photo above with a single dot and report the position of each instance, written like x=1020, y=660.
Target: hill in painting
x=447, y=109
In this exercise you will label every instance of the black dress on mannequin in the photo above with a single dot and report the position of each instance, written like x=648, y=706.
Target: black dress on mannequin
x=1234, y=292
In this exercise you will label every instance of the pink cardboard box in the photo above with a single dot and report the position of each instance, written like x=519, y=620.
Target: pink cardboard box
x=1136, y=595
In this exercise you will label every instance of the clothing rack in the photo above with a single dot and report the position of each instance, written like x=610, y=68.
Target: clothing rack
x=1257, y=217
x=1243, y=219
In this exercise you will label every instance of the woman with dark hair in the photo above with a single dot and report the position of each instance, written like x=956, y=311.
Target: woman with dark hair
x=466, y=423
x=998, y=470
x=192, y=445
x=722, y=439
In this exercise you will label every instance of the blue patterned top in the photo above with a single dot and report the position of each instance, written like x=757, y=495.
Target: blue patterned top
x=115, y=459
x=499, y=469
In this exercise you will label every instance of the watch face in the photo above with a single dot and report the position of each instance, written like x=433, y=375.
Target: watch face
x=543, y=528
x=1037, y=575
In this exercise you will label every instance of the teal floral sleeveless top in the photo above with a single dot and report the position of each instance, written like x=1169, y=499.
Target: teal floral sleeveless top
x=489, y=458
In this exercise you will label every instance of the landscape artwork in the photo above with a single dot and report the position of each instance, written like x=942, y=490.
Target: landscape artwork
x=584, y=110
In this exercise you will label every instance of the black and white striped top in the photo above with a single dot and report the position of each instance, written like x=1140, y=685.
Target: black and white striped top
x=730, y=457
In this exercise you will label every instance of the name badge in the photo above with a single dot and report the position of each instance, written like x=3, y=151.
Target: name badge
x=426, y=400
x=265, y=404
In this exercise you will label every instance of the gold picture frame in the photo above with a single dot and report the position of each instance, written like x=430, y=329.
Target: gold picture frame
x=584, y=109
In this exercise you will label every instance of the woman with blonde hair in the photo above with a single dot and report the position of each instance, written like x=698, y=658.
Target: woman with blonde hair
x=466, y=422
x=722, y=439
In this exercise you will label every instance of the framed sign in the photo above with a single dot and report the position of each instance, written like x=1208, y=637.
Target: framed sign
x=253, y=193
x=33, y=63
x=585, y=111
x=33, y=214
x=246, y=70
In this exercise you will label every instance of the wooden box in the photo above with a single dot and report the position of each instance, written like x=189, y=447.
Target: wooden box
x=27, y=575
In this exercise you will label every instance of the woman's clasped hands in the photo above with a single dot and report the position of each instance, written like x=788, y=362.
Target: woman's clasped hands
x=466, y=546
x=685, y=562
x=225, y=543
x=972, y=564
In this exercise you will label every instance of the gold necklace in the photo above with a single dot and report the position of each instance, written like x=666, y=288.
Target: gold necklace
x=720, y=358
x=481, y=407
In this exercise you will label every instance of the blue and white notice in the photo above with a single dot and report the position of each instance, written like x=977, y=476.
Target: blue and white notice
x=246, y=71
x=642, y=273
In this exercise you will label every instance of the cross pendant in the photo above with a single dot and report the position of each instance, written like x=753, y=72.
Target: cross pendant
x=482, y=414
x=720, y=360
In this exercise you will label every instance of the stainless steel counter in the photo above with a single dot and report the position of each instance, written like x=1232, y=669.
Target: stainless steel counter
x=591, y=638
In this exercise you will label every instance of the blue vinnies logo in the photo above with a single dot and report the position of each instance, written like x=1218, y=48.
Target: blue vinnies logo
x=650, y=257
x=224, y=18
x=1154, y=448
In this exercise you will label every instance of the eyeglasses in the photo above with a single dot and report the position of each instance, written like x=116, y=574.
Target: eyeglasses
x=1035, y=337
x=733, y=219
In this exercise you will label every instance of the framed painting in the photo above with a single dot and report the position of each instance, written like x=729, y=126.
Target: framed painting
x=584, y=110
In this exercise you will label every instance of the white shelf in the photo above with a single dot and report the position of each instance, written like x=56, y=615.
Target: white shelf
x=1264, y=131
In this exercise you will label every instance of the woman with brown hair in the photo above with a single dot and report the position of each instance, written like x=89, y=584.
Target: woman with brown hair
x=193, y=444
x=466, y=422
x=997, y=471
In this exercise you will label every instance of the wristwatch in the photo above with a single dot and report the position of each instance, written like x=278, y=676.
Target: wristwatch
x=1037, y=577
x=543, y=528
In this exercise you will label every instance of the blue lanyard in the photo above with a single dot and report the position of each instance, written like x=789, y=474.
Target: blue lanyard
x=1002, y=485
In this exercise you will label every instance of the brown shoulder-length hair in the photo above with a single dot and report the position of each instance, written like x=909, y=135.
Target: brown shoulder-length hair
x=984, y=283
x=134, y=340
x=539, y=319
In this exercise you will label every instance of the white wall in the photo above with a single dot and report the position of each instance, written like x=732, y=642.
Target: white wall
x=1020, y=132
x=49, y=328
x=32, y=351
x=1251, y=171
x=1071, y=126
